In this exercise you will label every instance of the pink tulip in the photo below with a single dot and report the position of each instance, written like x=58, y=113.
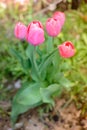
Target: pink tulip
x=35, y=33
x=59, y=16
x=53, y=27
x=67, y=49
x=20, y=31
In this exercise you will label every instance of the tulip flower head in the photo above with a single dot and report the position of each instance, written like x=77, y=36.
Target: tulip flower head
x=20, y=31
x=35, y=33
x=53, y=27
x=59, y=16
x=66, y=49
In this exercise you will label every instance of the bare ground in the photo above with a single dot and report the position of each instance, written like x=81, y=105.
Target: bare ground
x=62, y=117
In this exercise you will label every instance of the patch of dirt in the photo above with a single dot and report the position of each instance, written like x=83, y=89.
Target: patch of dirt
x=62, y=117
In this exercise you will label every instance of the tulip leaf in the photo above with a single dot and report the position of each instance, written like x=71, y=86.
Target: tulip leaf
x=16, y=54
x=24, y=62
x=56, y=60
x=27, y=97
x=65, y=82
x=47, y=93
x=31, y=96
x=30, y=52
x=47, y=60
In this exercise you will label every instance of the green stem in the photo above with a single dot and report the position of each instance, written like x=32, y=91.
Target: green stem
x=35, y=63
x=50, y=44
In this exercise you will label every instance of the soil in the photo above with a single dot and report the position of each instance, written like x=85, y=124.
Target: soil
x=65, y=116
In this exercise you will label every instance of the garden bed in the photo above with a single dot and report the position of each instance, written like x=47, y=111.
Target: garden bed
x=65, y=116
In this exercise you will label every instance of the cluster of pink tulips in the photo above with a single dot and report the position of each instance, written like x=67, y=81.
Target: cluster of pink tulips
x=34, y=33
x=42, y=66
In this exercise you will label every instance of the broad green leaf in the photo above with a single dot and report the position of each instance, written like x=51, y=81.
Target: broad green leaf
x=26, y=98
x=16, y=110
x=30, y=95
x=47, y=93
x=66, y=83
x=29, y=52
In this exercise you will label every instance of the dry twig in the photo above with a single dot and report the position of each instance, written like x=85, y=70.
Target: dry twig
x=49, y=7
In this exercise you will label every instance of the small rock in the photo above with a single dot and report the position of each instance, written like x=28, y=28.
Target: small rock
x=9, y=129
x=18, y=125
x=17, y=84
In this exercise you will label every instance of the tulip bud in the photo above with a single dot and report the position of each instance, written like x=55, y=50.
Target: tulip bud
x=53, y=27
x=67, y=49
x=59, y=16
x=35, y=33
x=20, y=31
